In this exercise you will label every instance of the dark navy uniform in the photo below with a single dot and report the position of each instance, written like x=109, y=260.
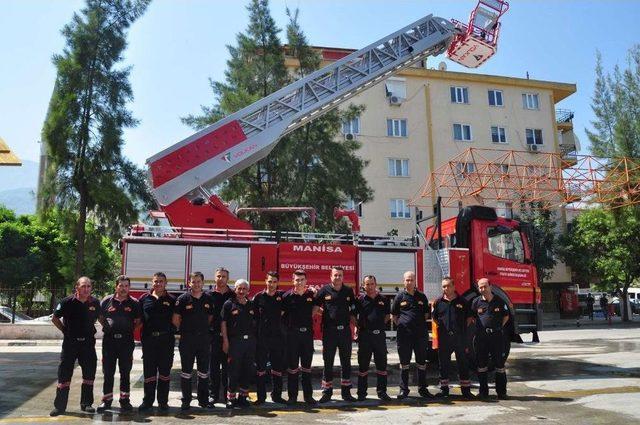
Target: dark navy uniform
x=194, y=344
x=241, y=332
x=338, y=307
x=490, y=340
x=117, y=343
x=298, y=321
x=372, y=341
x=218, y=362
x=79, y=343
x=158, y=342
x=412, y=336
x=270, y=346
x=451, y=317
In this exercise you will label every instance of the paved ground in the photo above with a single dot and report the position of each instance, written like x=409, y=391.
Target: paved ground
x=589, y=375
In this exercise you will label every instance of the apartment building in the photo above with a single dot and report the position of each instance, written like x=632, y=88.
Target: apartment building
x=423, y=117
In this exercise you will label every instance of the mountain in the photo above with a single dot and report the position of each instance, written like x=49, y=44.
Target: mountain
x=18, y=186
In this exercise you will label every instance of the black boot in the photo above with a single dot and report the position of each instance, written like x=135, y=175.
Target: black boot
x=362, y=387
x=484, y=385
x=276, y=393
x=163, y=392
x=86, y=393
x=60, y=403
x=501, y=385
x=326, y=395
x=292, y=387
x=444, y=392
x=345, y=392
x=466, y=393
x=381, y=384
x=105, y=405
x=149, y=394
x=261, y=389
x=307, y=389
x=404, y=384
x=125, y=405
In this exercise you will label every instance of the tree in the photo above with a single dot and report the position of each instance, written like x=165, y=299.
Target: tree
x=308, y=167
x=544, y=234
x=602, y=246
x=616, y=105
x=83, y=129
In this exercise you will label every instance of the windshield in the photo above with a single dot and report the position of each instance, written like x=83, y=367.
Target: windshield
x=506, y=243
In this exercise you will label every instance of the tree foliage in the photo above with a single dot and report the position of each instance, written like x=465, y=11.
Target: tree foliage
x=602, y=248
x=83, y=130
x=308, y=167
x=544, y=234
x=38, y=256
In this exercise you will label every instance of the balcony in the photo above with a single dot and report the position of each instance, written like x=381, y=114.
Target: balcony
x=564, y=119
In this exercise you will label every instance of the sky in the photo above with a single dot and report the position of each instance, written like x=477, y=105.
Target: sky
x=179, y=44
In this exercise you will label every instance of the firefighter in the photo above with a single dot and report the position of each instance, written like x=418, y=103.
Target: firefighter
x=75, y=316
x=451, y=314
x=491, y=315
x=120, y=315
x=218, y=363
x=298, y=306
x=239, y=342
x=270, y=347
x=373, y=316
x=192, y=317
x=158, y=342
x=410, y=311
x=337, y=303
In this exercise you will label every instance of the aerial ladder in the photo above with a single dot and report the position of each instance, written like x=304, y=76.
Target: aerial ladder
x=184, y=175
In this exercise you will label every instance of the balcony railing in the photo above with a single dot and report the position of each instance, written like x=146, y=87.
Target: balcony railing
x=563, y=115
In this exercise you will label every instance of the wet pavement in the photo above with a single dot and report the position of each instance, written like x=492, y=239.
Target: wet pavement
x=585, y=376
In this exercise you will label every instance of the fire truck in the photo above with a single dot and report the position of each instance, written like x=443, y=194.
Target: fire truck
x=203, y=233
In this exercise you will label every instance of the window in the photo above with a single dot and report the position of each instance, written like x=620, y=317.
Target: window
x=534, y=136
x=459, y=95
x=505, y=242
x=351, y=126
x=396, y=87
x=462, y=132
x=495, y=98
x=503, y=168
x=498, y=134
x=504, y=209
x=354, y=205
x=398, y=167
x=530, y=101
x=399, y=208
x=463, y=169
x=397, y=127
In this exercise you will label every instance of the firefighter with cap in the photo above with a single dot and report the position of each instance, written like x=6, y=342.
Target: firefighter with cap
x=337, y=303
x=158, y=342
x=270, y=347
x=75, y=316
x=298, y=306
x=192, y=317
x=120, y=316
x=220, y=293
x=239, y=342
x=452, y=316
x=491, y=315
x=410, y=311
x=373, y=316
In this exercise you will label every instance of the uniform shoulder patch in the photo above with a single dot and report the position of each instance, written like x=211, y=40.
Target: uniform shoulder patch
x=327, y=297
x=403, y=303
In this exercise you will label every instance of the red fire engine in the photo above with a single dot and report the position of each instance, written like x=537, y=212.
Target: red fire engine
x=204, y=234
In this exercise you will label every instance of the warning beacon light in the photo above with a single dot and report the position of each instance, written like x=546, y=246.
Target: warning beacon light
x=477, y=41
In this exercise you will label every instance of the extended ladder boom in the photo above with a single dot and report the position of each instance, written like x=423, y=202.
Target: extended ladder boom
x=236, y=142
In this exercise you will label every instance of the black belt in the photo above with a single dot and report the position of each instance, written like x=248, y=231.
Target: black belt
x=81, y=338
x=337, y=327
x=374, y=331
x=245, y=336
x=492, y=331
x=157, y=333
x=120, y=335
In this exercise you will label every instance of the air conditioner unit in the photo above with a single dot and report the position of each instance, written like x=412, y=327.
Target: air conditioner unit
x=395, y=100
x=349, y=136
x=533, y=148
